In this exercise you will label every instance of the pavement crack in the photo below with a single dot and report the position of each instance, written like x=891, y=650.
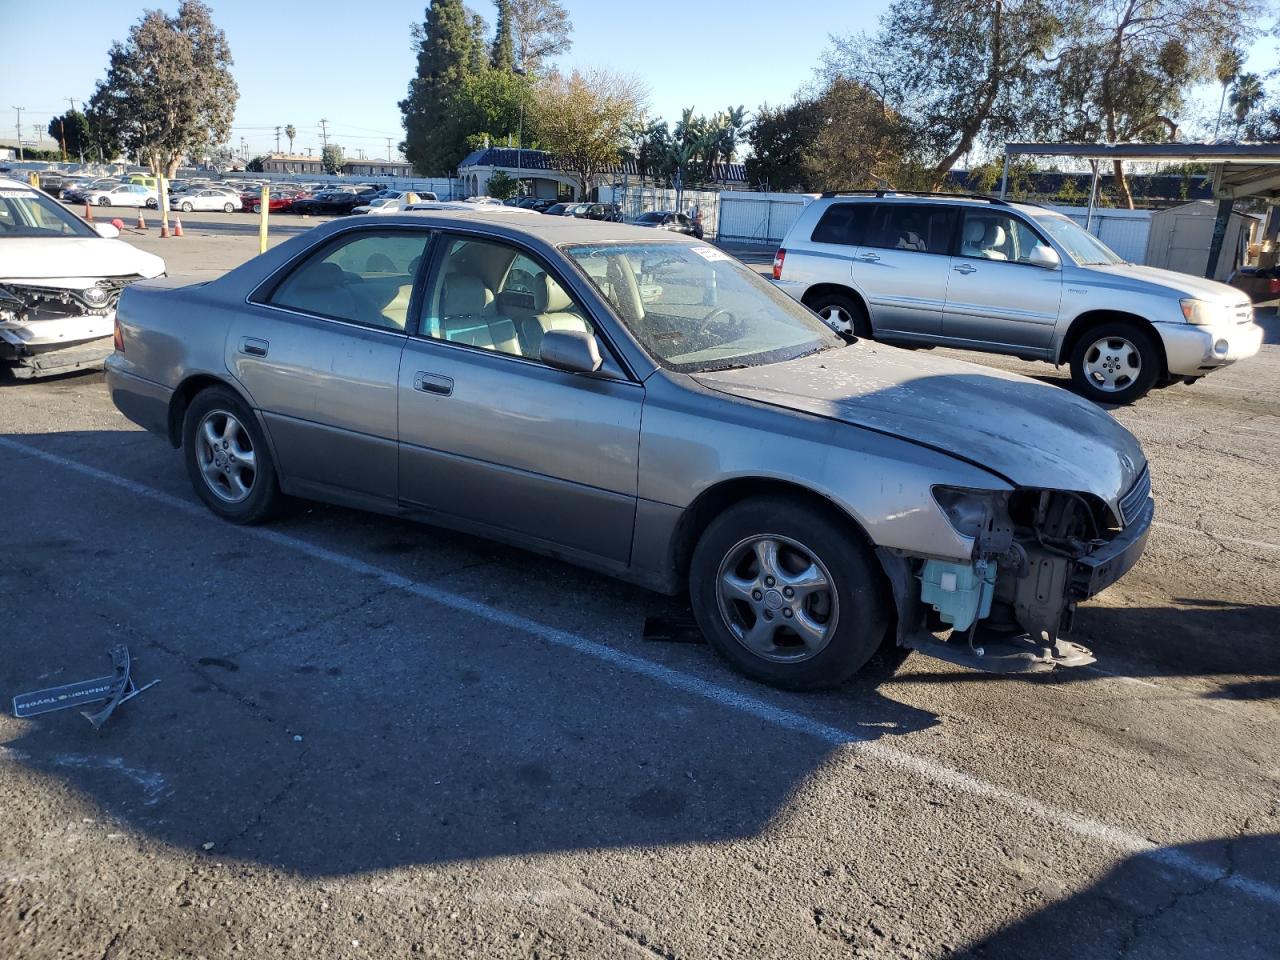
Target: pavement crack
x=273, y=801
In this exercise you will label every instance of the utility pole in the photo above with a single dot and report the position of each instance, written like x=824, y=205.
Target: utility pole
x=389, y=157
x=324, y=133
x=277, y=139
x=19, y=109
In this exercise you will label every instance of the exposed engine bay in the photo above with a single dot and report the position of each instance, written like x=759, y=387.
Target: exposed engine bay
x=57, y=325
x=1036, y=555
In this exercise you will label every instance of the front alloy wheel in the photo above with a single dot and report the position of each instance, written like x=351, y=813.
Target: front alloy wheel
x=1115, y=363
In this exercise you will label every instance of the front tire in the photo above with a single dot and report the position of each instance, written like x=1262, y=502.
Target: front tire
x=228, y=208
x=104, y=201
x=257, y=208
x=1115, y=362
x=187, y=207
x=152, y=204
x=227, y=458
x=843, y=313
x=788, y=594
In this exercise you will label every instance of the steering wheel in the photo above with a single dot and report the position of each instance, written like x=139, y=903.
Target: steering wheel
x=718, y=315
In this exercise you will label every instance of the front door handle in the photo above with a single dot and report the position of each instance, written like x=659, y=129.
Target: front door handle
x=433, y=383
x=964, y=268
x=870, y=257
x=253, y=346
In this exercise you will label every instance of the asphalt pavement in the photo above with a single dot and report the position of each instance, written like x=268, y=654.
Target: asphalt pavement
x=378, y=739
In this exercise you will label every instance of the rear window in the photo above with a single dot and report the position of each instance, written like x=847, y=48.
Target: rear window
x=843, y=223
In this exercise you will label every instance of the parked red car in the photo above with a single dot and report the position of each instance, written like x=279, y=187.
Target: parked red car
x=251, y=202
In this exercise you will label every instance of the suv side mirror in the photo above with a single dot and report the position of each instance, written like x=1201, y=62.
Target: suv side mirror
x=1044, y=256
x=574, y=351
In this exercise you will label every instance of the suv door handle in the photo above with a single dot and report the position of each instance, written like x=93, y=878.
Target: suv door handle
x=964, y=268
x=253, y=346
x=870, y=257
x=432, y=383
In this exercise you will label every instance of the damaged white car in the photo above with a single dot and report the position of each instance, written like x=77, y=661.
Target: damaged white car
x=60, y=278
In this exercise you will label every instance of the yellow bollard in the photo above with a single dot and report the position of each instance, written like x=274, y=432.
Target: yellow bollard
x=34, y=180
x=262, y=223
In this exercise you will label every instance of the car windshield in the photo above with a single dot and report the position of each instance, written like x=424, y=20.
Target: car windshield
x=697, y=309
x=28, y=213
x=1083, y=247
x=650, y=217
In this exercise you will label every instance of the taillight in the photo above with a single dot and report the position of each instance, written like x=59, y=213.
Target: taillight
x=778, y=259
x=118, y=337
x=1274, y=286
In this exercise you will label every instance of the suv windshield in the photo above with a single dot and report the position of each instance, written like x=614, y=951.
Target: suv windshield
x=28, y=213
x=1083, y=247
x=696, y=309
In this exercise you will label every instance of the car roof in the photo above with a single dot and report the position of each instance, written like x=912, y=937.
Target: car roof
x=960, y=200
x=551, y=230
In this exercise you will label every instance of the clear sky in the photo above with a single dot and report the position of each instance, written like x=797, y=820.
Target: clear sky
x=350, y=64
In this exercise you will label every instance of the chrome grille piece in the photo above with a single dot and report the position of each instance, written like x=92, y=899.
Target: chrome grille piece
x=1132, y=502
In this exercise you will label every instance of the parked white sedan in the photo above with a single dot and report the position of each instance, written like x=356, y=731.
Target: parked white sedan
x=122, y=195
x=207, y=200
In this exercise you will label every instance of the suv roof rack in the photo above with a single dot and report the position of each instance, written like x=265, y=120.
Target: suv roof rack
x=997, y=201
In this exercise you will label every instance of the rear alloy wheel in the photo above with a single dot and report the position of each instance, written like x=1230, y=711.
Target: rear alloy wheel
x=104, y=201
x=187, y=207
x=787, y=594
x=1115, y=363
x=227, y=458
x=151, y=204
x=229, y=208
x=842, y=313
x=257, y=208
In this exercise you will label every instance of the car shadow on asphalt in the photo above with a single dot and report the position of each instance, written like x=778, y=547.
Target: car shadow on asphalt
x=1147, y=906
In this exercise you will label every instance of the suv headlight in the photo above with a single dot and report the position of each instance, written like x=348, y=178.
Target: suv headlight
x=966, y=510
x=1201, y=312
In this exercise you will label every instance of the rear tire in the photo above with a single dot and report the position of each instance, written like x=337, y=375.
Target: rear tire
x=1117, y=362
x=788, y=594
x=228, y=459
x=104, y=201
x=228, y=208
x=842, y=312
x=187, y=207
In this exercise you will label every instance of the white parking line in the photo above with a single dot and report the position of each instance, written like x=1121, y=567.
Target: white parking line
x=1117, y=838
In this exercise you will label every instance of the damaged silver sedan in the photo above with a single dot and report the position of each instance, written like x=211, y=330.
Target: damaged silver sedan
x=650, y=408
x=60, y=278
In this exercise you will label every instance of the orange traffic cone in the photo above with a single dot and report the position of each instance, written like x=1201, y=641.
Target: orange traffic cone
x=142, y=224
x=88, y=211
x=177, y=225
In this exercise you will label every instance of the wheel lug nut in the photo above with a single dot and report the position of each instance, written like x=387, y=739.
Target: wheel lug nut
x=757, y=595
x=788, y=592
x=769, y=581
x=786, y=612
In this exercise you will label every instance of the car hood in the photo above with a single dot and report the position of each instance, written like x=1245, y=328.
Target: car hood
x=1031, y=434
x=69, y=260
x=1168, y=283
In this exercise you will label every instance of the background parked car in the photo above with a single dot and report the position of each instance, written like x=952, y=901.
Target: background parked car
x=1260, y=283
x=122, y=195
x=670, y=220
x=277, y=202
x=209, y=200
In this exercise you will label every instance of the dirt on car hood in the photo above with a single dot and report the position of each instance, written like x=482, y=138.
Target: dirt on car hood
x=66, y=261
x=1029, y=433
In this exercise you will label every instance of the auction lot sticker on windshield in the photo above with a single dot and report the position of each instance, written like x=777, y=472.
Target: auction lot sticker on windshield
x=711, y=253
x=24, y=194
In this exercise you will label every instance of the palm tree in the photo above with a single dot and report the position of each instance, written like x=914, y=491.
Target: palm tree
x=1227, y=69
x=291, y=131
x=1245, y=95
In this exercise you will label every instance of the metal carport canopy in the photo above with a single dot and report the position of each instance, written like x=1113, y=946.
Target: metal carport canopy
x=1239, y=170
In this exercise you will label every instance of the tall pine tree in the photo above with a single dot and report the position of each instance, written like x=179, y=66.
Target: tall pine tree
x=446, y=56
x=503, y=56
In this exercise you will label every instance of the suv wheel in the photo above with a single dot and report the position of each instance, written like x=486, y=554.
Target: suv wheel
x=843, y=313
x=227, y=458
x=786, y=596
x=1115, y=363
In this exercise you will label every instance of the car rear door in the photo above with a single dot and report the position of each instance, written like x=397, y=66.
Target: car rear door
x=318, y=349
x=997, y=297
x=902, y=267
x=827, y=254
x=493, y=437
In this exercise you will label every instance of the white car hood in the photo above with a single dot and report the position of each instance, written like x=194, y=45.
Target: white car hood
x=73, y=262
x=1171, y=282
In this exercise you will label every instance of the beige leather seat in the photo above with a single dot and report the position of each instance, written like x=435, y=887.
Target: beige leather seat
x=321, y=288
x=467, y=316
x=552, y=310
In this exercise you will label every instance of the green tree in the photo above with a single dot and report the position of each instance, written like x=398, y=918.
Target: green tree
x=489, y=103
x=331, y=158
x=256, y=164
x=503, y=186
x=779, y=138
x=291, y=132
x=168, y=88
x=1225, y=72
x=541, y=29
x=446, y=43
x=1246, y=95
x=503, y=55
x=584, y=119
x=71, y=130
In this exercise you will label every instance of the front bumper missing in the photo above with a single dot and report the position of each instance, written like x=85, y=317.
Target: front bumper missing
x=25, y=365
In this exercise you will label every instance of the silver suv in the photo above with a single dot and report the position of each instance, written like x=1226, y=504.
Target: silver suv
x=985, y=274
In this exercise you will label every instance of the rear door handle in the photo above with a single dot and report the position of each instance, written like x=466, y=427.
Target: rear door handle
x=870, y=257
x=964, y=268
x=433, y=383
x=253, y=346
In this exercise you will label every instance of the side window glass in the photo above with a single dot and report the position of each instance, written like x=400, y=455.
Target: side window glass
x=843, y=223
x=997, y=236
x=913, y=226
x=492, y=296
x=367, y=279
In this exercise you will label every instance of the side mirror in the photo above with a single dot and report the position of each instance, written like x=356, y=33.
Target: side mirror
x=108, y=231
x=1044, y=256
x=574, y=351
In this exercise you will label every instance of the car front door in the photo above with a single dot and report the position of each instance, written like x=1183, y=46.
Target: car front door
x=902, y=268
x=997, y=297
x=492, y=436
x=318, y=349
